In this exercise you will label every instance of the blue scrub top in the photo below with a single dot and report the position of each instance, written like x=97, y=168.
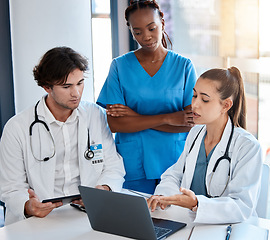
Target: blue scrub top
x=148, y=153
x=198, y=185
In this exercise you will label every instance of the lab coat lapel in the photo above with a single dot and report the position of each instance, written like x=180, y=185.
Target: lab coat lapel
x=46, y=170
x=192, y=159
x=219, y=151
x=82, y=143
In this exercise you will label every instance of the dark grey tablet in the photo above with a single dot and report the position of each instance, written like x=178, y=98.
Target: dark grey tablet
x=124, y=215
x=64, y=200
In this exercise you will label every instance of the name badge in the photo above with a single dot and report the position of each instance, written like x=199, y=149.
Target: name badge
x=98, y=153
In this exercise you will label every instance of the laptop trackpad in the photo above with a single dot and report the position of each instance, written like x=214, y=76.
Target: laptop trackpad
x=166, y=227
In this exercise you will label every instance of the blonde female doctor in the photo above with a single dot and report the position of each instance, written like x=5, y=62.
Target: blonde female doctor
x=218, y=174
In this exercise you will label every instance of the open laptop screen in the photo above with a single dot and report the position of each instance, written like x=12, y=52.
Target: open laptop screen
x=122, y=214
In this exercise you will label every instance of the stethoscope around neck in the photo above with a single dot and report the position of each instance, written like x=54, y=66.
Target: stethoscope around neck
x=88, y=154
x=224, y=157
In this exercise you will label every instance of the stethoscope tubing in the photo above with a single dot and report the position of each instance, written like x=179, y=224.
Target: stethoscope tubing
x=36, y=121
x=88, y=154
x=224, y=157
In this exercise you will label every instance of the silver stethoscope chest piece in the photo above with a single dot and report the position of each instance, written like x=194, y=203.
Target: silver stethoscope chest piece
x=89, y=154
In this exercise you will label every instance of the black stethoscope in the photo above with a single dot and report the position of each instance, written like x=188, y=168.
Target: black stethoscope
x=88, y=154
x=224, y=157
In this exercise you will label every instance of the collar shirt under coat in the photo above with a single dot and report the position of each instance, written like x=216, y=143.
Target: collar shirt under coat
x=240, y=197
x=67, y=174
x=19, y=170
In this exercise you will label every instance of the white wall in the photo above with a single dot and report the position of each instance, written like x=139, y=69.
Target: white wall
x=39, y=25
x=123, y=30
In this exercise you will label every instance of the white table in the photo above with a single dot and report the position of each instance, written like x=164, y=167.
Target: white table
x=68, y=223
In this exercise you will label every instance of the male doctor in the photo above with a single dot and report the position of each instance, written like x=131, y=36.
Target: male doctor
x=50, y=149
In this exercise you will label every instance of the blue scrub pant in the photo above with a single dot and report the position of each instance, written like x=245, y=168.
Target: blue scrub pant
x=142, y=185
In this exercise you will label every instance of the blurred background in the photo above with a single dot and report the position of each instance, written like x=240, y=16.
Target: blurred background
x=212, y=33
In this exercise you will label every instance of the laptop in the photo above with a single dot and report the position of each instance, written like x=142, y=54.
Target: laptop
x=124, y=215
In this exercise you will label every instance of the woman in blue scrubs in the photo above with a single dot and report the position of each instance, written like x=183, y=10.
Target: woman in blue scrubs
x=147, y=95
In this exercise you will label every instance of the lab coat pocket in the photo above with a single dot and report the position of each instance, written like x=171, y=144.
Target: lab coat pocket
x=132, y=158
x=98, y=167
x=174, y=99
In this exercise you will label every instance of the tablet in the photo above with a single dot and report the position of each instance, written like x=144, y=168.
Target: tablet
x=64, y=200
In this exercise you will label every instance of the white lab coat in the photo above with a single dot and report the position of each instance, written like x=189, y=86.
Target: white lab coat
x=19, y=170
x=240, y=197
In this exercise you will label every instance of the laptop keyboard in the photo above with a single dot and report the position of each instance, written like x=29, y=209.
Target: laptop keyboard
x=161, y=232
